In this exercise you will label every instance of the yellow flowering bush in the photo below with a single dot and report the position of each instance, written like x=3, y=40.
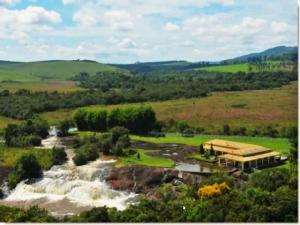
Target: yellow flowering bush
x=212, y=190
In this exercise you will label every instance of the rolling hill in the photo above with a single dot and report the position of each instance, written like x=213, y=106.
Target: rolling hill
x=49, y=70
x=279, y=52
x=274, y=54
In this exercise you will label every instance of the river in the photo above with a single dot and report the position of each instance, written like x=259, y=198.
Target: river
x=69, y=189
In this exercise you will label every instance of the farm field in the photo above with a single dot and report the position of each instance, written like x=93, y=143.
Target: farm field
x=278, y=144
x=9, y=156
x=245, y=108
x=241, y=67
x=50, y=86
x=145, y=160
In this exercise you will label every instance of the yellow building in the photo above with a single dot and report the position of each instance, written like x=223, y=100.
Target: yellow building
x=241, y=155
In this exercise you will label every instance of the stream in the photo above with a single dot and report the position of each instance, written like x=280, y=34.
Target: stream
x=69, y=189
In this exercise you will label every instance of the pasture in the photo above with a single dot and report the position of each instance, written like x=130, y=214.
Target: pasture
x=245, y=67
x=49, y=86
x=49, y=70
x=250, y=109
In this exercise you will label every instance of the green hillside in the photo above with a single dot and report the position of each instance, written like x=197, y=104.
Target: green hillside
x=250, y=67
x=49, y=70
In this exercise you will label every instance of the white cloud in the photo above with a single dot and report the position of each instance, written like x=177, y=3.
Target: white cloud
x=29, y=16
x=19, y=24
x=66, y=2
x=8, y=2
x=279, y=27
x=171, y=27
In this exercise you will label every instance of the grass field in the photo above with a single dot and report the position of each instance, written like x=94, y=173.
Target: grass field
x=246, y=108
x=146, y=160
x=50, y=86
x=9, y=156
x=278, y=144
x=49, y=70
x=242, y=67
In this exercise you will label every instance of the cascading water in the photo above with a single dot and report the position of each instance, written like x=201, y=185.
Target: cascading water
x=70, y=189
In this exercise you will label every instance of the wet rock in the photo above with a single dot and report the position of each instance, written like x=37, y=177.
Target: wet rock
x=139, y=179
x=177, y=182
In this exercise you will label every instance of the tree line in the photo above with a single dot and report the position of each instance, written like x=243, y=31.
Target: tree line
x=138, y=120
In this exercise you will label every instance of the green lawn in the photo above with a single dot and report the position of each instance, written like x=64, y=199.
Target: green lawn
x=146, y=160
x=9, y=156
x=278, y=144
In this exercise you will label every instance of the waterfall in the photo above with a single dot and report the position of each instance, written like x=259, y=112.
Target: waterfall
x=69, y=189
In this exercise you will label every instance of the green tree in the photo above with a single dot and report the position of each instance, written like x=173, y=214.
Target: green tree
x=27, y=167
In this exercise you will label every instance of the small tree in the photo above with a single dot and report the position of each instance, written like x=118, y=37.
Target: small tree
x=201, y=149
x=226, y=129
x=27, y=167
x=138, y=156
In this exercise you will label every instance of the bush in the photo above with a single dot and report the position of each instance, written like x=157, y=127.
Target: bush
x=156, y=134
x=94, y=215
x=226, y=129
x=33, y=214
x=64, y=127
x=26, y=134
x=275, y=177
x=1, y=194
x=181, y=126
x=59, y=156
x=80, y=159
x=117, y=132
x=27, y=167
x=85, y=154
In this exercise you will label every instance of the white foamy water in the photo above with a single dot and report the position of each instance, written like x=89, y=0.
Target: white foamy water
x=67, y=189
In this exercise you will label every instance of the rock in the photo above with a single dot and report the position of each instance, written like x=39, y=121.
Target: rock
x=177, y=182
x=138, y=178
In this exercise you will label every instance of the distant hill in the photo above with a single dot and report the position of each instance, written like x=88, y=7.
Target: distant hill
x=277, y=53
x=145, y=67
x=49, y=70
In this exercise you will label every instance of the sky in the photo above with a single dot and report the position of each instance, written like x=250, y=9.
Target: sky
x=127, y=31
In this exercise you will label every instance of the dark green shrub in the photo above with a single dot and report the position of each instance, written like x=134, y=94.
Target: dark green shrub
x=94, y=215
x=26, y=134
x=80, y=159
x=117, y=132
x=27, y=167
x=85, y=154
x=59, y=156
x=1, y=194
x=64, y=127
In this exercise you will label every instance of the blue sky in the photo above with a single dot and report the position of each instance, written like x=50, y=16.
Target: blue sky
x=126, y=31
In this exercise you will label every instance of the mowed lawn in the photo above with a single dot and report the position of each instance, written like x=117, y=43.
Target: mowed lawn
x=245, y=108
x=9, y=156
x=146, y=160
x=281, y=145
x=49, y=86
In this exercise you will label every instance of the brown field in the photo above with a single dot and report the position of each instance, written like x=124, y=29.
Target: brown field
x=60, y=86
x=247, y=108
